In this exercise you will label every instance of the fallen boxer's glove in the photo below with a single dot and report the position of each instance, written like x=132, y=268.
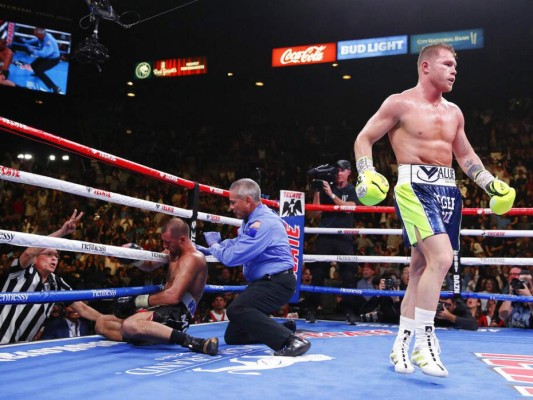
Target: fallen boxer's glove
x=123, y=307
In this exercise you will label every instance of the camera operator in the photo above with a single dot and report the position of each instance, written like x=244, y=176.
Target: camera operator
x=331, y=187
x=453, y=313
x=518, y=314
x=383, y=308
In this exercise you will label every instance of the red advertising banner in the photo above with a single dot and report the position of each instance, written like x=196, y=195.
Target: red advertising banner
x=180, y=66
x=302, y=55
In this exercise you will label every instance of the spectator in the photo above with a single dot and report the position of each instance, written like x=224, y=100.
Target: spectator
x=454, y=314
x=382, y=308
x=489, y=317
x=518, y=314
x=68, y=325
x=218, y=310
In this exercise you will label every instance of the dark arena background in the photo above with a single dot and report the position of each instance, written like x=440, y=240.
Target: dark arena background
x=189, y=89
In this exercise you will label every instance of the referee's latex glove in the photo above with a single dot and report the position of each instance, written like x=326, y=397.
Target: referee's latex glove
x=212, y=238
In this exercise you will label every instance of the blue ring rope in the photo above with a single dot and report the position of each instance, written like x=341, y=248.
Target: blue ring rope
x=111, y=293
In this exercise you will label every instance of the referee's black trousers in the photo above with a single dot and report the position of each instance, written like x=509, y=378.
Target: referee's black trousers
x=249, y=312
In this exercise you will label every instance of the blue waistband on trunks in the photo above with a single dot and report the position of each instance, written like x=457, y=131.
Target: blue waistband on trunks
x=426, y=174
x=189, y=302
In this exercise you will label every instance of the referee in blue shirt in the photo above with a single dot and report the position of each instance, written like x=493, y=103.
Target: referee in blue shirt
x=262, y=248
x=46, y=50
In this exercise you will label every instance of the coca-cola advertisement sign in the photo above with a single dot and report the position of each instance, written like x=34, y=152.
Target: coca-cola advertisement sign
x=303, y=55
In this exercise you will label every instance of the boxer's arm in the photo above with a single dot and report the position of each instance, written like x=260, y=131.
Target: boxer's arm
x=182, y=281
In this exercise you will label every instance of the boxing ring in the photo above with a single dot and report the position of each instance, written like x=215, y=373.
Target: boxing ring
x=346, y=361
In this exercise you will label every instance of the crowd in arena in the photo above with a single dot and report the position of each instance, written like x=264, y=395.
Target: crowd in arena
x=504, y=139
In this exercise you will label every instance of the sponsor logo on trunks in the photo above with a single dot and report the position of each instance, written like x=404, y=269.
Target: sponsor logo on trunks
x=6, y=236
x=433, y=174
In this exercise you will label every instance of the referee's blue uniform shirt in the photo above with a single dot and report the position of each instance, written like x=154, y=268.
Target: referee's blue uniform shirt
x=261, y=247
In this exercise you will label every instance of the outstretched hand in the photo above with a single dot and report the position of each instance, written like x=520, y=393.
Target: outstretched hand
x=70, y=225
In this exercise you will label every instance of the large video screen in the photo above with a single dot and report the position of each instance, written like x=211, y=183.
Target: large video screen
x=35, y=58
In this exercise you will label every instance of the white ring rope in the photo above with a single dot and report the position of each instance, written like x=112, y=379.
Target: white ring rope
x=32, y=240
x=406, y=260
x=382, y=231
x=15, y=175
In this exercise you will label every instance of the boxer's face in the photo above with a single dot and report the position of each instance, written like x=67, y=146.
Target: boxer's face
x=171, y=243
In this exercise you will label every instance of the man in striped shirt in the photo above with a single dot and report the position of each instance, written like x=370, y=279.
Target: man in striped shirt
x=34, y=271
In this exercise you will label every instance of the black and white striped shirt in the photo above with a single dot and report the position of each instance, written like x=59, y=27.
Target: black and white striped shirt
x=21, y=322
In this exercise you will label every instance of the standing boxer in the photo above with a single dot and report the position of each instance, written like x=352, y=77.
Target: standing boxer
x=425, y=132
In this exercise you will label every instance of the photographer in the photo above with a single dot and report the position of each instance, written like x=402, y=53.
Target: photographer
x=383, y=308
x=454, y=313
x=331, y=187
x=518, y=314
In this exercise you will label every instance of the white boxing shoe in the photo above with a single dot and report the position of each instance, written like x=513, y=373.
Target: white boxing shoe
x=399, y=356
x=426, y=355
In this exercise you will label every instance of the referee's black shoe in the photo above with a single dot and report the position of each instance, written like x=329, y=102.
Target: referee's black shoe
x=290, y=324
x=294, y=347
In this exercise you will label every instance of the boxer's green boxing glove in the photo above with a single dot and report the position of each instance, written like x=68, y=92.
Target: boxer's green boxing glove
x=501, y=196
x=371, y=187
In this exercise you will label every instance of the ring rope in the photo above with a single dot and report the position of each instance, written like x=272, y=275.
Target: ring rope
x=391, y=210
x=15, y=175
x=405, y=260
x=102, y=294
x=23, y=130
x=18, y=176
x=29, y=132
x=33, y=240
x=401, y=293
x=95, y=294
x=23, y=239
x=383, y=231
